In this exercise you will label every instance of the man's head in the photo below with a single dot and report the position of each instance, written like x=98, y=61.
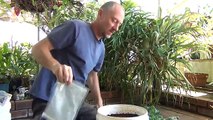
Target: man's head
x=110, y=17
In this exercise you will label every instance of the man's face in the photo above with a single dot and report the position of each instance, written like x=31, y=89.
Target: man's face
x=111, y=21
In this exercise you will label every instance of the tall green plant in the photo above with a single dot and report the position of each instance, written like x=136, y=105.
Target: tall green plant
x=143, y=55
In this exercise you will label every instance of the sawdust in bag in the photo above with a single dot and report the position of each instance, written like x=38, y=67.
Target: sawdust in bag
x=65, y=102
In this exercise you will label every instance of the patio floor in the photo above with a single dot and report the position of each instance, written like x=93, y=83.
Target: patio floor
x=201, y=101
x=183, y=115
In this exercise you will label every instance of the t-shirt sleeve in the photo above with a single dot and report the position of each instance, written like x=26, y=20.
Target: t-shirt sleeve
x=63, y=35
x=98, y=66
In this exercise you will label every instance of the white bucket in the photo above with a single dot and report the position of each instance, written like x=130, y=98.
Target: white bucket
x=105, y=111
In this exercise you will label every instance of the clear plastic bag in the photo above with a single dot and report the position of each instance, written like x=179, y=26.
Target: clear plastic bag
x=65, y=102
x=5, y=105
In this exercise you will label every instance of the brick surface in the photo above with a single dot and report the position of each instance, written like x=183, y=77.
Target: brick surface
x=178, y=98
x=23, y=104
x=190, y=100
x=189, y=107
x=170, y=103
x=202, y=103
x=210, y=105
x=105, y=95
x=19, y=113
x=111, y=94
x=112, y=101
x=108, y=98
x=12, y=105
x=205, y=111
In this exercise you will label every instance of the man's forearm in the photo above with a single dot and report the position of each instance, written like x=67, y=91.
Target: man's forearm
x=95, y=88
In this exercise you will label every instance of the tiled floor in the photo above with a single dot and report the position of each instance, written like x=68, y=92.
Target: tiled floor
x=183, y=115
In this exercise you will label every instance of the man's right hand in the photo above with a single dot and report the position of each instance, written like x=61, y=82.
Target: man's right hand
x=63, y=73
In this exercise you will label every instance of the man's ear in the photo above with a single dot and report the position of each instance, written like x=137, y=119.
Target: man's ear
x=100, y=12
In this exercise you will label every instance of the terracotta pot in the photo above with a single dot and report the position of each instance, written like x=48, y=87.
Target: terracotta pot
x=119, y=112
x=197, y=79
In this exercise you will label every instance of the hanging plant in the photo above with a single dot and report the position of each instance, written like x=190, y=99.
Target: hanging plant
x=34, y=5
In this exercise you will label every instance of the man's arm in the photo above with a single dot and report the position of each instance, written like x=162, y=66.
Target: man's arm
x=93, y=83
x=41, y=53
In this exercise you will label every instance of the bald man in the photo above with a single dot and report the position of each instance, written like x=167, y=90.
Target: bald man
x=74, y=50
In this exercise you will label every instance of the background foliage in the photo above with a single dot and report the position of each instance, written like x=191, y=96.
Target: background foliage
x=143, y=56
x=16, y=62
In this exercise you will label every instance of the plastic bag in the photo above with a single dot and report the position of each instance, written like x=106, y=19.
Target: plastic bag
x=65, y=102
x=5, y=105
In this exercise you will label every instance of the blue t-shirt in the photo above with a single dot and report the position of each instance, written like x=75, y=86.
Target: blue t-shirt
x=75, y=45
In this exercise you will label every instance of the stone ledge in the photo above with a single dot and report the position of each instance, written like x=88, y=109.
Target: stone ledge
x=198, y=105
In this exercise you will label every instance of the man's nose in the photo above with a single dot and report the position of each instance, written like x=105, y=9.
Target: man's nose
x=116, y=27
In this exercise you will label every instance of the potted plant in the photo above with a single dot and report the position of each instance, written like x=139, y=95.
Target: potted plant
x=17, y=65
x=4, y=63
x=35, y=5
x=74, y=10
